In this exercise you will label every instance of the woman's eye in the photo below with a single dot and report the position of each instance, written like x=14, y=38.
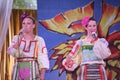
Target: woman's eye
x=94, y=25
x=28, y=23
x=23, y=23
x=89, y=25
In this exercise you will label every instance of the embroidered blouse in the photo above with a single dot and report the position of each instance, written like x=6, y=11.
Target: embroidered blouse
x=34, y=48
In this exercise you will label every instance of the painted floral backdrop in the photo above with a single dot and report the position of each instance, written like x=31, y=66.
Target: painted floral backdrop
x=68, y=23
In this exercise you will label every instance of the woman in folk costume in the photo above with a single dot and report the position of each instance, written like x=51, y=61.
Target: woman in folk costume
x=30, y=52
x=90, y=53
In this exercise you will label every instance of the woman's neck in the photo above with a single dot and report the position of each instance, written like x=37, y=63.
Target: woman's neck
x=89, y=38
x=29, y=36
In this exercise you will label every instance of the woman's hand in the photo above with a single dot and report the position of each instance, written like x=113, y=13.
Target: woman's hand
x=42, y=73
x=69, y=61
x=42, y=76
x=21, y=33
x=16, y=45
x=20, y=36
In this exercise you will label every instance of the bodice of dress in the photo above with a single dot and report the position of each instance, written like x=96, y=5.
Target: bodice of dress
x=87, y=52
x=28, y=48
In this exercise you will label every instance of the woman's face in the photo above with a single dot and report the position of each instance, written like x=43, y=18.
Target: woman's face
x=91, y=27
x=28, y=25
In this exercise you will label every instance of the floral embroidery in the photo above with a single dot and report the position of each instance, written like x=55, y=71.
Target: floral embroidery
x=24, y=73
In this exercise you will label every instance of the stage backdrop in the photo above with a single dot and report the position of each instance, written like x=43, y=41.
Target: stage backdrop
x=59, y=24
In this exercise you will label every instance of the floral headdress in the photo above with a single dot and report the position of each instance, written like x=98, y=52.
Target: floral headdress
x=85, y=21
x=23, y=16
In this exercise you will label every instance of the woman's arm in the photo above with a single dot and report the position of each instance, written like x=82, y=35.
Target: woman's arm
x=74, y=57
x=101, y=49
x=42, y=73
x=13, y=48
x=43, y=60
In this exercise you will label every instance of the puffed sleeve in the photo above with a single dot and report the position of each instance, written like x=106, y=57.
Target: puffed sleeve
x=12, y=51
x=42, y=54
x=101, y=49
x=75, y=57
x=75, y=48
